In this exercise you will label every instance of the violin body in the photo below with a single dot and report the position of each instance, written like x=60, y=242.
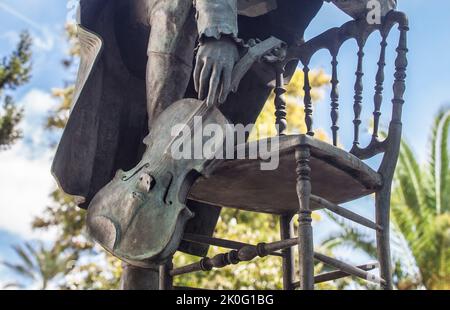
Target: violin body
x=140, y=215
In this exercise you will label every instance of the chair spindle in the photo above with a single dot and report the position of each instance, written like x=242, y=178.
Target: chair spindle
x=280, y=103
x=307, y=101
x=334, y=100
x=378, y=97
x=401, y=63
x=357, y=106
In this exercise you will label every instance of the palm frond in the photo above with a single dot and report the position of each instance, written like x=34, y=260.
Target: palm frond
x=351, y=238
x=31, y=249
x=20, y=270
x=439, y=161
x=24, y=256
x=12, y=285
x=404, y=219
x=420, y=207
x=409, y=176
x=349, y=235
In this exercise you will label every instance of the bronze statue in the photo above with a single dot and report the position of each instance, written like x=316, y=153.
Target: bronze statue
x=139, y=57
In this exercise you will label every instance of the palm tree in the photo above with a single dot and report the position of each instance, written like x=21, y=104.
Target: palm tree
x=39, y=265
x=420, y=213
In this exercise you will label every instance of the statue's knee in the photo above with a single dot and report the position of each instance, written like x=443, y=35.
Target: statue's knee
x=173, y=29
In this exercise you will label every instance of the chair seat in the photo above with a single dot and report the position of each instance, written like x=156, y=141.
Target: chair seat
x=336, y=176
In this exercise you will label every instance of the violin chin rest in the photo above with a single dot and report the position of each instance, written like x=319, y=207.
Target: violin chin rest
x=103, y=230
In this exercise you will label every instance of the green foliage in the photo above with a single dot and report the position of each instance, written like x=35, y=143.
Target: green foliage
x=15, y=69
x=14, y=72
x=265, y=124
x=10, y=117
x=420, y=207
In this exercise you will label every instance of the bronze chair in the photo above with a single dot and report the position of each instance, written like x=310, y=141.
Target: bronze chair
x=312, y=174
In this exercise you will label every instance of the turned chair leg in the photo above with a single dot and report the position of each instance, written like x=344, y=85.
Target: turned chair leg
x=287, y=232
x=383, y=243
x=305, y=233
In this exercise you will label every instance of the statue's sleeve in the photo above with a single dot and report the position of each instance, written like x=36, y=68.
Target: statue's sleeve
x=359, y=8
x=216, y=18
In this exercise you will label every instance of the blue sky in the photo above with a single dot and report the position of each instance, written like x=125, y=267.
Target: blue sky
x=25, y=192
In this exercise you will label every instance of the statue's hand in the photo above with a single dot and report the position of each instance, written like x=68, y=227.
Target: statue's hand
x=213, y=70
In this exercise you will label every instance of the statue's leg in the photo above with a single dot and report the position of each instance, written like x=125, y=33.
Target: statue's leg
x=136, y=278
x=167, y=79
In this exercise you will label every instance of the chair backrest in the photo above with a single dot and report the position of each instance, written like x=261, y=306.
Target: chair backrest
x=332, y=40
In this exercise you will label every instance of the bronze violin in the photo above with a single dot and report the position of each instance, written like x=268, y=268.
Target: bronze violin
x=140, y=215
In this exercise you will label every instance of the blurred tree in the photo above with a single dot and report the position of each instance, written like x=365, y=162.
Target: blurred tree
x=14, y=72
x=420, y=214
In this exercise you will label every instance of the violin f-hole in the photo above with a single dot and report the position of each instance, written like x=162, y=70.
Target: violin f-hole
x=168, y=179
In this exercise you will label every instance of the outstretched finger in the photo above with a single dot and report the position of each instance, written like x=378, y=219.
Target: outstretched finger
x=204, y=79
x=197, y=72
x=214, y=86
x=226, y=84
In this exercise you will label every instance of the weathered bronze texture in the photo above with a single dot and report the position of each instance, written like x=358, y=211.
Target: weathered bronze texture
x=245, y=253
x=288, y=261
x=305, y=233
x=280, y=103
x=334, y=99
x=140, y=215
x=133, y=72
x=326, y=175
x=133, y=66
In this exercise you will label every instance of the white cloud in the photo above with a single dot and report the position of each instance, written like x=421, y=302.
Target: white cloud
x=11, y=36
x=45, y=40
x=25, y=187
x=37, y=105
x=25, y=181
